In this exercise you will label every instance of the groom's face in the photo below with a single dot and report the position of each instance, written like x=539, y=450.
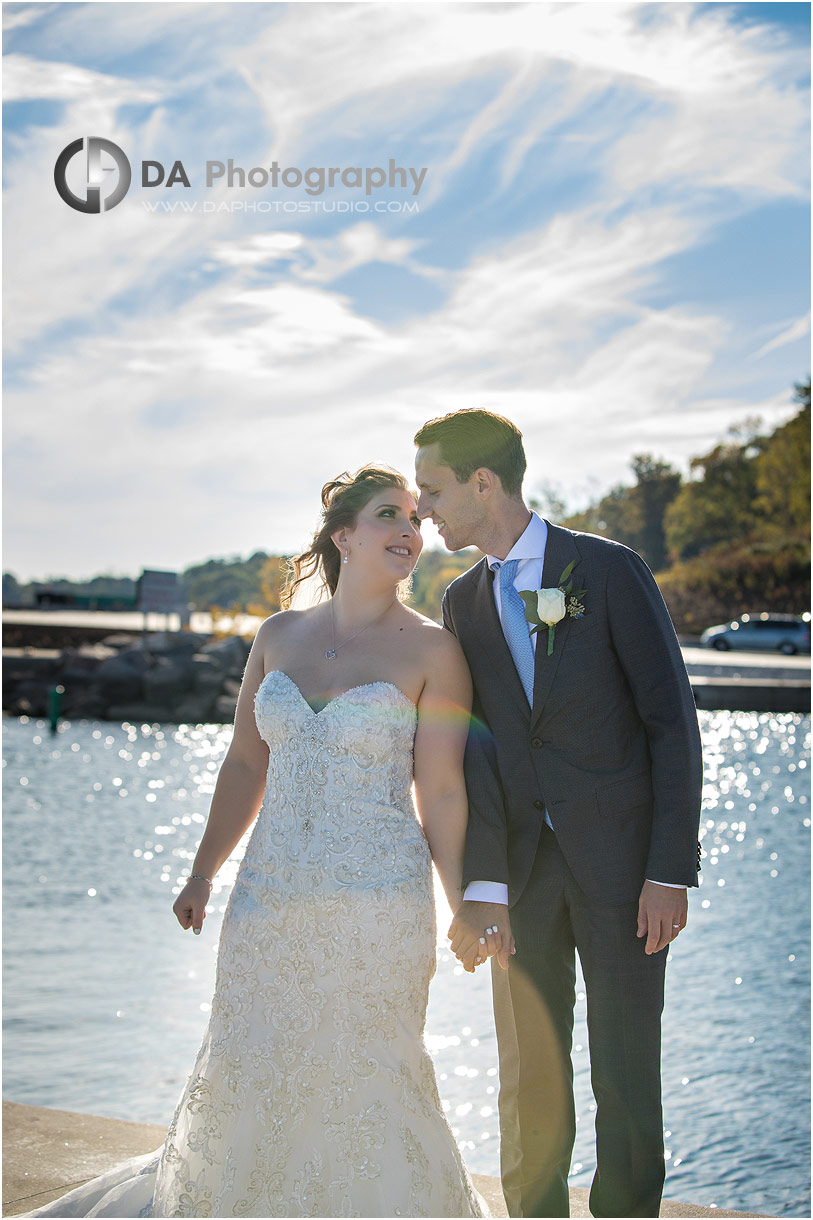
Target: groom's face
x=453, y=507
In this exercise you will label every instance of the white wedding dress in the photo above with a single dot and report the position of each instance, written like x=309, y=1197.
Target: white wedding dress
x=313, y=1093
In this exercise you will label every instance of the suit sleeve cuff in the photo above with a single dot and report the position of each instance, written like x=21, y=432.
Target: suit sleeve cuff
x=486, y=891
x=669, y=885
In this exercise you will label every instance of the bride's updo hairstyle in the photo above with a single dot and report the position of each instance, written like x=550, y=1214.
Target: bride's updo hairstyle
x=343, y=498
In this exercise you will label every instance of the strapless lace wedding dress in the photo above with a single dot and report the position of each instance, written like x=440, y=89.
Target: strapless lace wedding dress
x=313, y=1093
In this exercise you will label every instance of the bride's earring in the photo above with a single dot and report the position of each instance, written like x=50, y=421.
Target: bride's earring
x=345, y=557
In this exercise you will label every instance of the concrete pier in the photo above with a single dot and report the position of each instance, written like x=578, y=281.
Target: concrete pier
x=47, y=1152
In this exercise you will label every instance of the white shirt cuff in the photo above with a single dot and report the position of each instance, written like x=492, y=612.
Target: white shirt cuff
x=497, y=891
x=486, y=891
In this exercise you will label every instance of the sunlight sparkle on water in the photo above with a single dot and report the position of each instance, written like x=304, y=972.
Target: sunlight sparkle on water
x=152, y=788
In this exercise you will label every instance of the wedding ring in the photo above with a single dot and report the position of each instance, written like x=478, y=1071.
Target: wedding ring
x=675, y=925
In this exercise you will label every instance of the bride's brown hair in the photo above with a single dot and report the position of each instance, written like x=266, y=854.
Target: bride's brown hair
x=343, y=498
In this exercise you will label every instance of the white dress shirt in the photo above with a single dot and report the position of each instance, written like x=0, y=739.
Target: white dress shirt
x=529, y=549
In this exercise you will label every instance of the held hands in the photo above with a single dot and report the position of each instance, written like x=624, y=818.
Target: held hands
x=662, y=915
x=473, y=936
x=190, y=905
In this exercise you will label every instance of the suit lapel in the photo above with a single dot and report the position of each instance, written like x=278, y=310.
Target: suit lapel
x=490, y=639
x=560, y=550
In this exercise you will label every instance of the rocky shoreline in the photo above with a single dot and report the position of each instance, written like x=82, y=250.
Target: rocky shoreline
x=180, y=677
x=185, y=677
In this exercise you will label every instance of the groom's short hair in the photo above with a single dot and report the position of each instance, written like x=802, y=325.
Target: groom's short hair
x=473, y=438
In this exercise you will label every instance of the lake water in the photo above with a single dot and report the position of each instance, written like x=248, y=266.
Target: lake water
x=106, y=998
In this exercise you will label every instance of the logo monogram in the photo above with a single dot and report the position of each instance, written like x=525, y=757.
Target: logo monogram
x=94, y=200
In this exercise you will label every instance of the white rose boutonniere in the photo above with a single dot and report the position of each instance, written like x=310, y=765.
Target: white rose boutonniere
x=550, y=606
x=547, y=607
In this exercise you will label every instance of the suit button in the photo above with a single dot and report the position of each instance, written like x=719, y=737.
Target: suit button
x=537, y=743
x=539, y=804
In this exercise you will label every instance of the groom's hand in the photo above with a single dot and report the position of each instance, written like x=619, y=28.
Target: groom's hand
x=470, y=938
x=662, y=914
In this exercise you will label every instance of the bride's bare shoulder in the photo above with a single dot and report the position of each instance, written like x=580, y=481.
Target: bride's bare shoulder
x=419, y=622
x=277, y=624
x=434, y=641
x=285, y=625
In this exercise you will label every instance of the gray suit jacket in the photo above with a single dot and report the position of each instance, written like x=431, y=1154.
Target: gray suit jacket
x=611, y=746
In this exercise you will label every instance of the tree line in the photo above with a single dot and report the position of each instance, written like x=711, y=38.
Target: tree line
x=734, y=536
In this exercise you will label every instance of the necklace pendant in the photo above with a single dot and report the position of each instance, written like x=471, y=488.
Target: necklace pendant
x=330, y=654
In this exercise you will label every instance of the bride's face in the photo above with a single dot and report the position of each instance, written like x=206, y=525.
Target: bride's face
x=387, y=533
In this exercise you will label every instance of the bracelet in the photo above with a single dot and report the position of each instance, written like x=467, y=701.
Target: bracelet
x=200, y=877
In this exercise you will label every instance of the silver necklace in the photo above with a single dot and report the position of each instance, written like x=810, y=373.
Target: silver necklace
x=330, y=653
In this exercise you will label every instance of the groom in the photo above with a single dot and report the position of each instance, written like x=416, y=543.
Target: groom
x=584, y=775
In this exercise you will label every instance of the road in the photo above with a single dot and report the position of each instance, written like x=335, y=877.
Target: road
x=130, y=620
x=708, y=663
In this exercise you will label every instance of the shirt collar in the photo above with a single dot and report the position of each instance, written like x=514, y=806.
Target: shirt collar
x=529, y=545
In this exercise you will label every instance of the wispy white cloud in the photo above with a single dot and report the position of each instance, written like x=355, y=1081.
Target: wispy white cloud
x=359, y=244
x=257, y=250
x=319, y=259
x=25, y=78
x=17, y=16
x=789, y=334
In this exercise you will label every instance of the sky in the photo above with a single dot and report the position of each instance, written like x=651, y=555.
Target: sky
x=602, y=232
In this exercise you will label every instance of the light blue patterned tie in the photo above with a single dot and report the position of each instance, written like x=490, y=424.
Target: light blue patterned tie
x=516, y=627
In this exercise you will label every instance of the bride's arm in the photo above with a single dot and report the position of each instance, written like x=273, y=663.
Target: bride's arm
x=440, y=740
x=238, y=793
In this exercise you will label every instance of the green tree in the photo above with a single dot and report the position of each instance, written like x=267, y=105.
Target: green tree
x=717, y=505
x=614, y=516
x=225, y=582
x=635, y=515
x=783, y=474
x=435, y=570
x=271, y=577
x=731, y=578
x=13, y=591
x=657, y=485
x=547, y=500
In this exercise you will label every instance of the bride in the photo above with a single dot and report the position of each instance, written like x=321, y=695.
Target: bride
x=312, y=1093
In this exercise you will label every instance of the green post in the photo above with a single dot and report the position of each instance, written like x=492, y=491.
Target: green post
x=55, y=705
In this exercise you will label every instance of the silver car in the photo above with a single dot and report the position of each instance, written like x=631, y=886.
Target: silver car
x=764, y=632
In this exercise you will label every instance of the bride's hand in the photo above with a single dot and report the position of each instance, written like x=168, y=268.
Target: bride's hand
x=471, y=938
x=190, y=905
